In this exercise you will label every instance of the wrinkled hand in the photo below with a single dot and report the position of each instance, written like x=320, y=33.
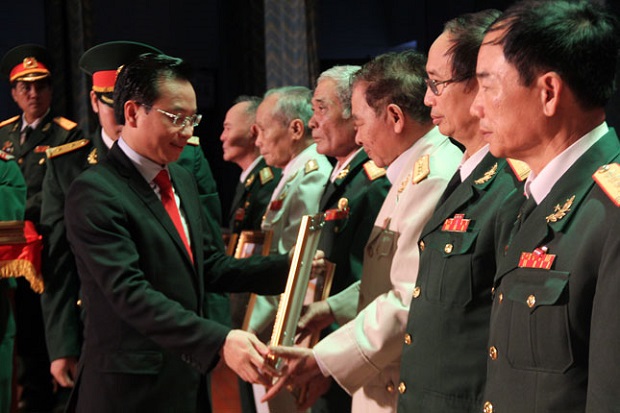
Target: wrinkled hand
x=64, y=370
x=245, y=355
x=318, y=264
x=315, y=317
x=301, y=368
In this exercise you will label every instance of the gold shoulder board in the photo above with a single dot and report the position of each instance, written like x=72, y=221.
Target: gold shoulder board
x=373, y=171
x=519, y=168
x=66, y=148
x=421, y=169
x=194, y=140
x=265, y=175
x=9, y=121
x=65, y=123
x=311, y=165
x=608, y=178
x=6, y=156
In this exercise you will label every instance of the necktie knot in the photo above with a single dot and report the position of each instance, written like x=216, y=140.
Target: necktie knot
x=162, y=180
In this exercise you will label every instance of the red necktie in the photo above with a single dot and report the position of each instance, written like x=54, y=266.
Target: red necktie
x=162, y=180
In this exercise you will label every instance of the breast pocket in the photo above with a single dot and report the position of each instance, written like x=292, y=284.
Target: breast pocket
x=539, y=334
x=447, y=268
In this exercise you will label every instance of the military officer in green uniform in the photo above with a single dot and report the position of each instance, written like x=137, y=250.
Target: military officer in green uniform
x=27, y=137
x=257, y=180
x=443, y=365
x=545, y=73
x=13, y=195
x=352, y=198
x=60, y=301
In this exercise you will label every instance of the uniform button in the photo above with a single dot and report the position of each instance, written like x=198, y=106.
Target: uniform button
x=422, y=245
x=492, y=290
x=407, y=338
x=416, y=292
x=390, y=388
x=493, y=353
x=79, y=302
x=488, y=407
x=41, y=161
x=501, y=297
x=20, y=161
x=531, y=300
x=402, y=388
x=448, y=248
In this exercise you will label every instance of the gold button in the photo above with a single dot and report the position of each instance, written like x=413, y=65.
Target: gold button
x=493, y=353
x=531, y=301
x=41, y=161
x=448, y=248
x=402, y=388
x=407, y=338
x=20, y=161
x=422, y=245
x=416, y=292
x=79, y=303
x=488, y=407
x=501, y=297
x=390, y=388
x=492, y=290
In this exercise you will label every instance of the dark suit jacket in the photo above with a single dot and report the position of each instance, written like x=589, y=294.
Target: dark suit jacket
x=146, y=340
x=247, y=210
x=554, y=334
x=443, y=363
x=343, y=241
x=61, y=312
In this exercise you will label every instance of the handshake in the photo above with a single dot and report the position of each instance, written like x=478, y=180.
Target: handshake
x=254, y=361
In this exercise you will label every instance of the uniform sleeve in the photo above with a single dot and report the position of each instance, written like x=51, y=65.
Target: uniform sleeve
x=61, y=314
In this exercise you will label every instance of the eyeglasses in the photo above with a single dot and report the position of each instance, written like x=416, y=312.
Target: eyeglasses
x=179, y=120
x=433, y=85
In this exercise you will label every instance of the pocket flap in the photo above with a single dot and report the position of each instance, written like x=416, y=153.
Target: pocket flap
x=134, y=362
x=535, y=287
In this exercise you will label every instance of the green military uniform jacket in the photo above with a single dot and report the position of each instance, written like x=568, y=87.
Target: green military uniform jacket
x=443, y=365
x=251, y=200
x=12, y=205
x=60, y=301
x=364, y=186
x=555, y=329
x=31, y=155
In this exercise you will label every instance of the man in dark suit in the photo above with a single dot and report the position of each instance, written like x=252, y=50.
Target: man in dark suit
x=27, y=137
x=60, y=301
x=443, y=365
x=257, y=180
x=545, y=72
x=146, y=256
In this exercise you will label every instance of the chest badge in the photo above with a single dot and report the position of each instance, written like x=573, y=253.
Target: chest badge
x=456, y=224
x=537, y=259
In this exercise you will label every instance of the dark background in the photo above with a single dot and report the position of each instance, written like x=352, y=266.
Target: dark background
x=224, y=41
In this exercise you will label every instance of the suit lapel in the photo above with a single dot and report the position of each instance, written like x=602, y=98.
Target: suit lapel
x=568, y=193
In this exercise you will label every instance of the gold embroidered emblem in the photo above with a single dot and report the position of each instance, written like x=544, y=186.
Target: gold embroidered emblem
x=343, y=174
x=92, y=157
x=249, y=181
x=290, y=178
x=421, y=169
x=404, y=183
x=46, y=127
x=560, y=212
x=30, y=63
x=487, y=175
